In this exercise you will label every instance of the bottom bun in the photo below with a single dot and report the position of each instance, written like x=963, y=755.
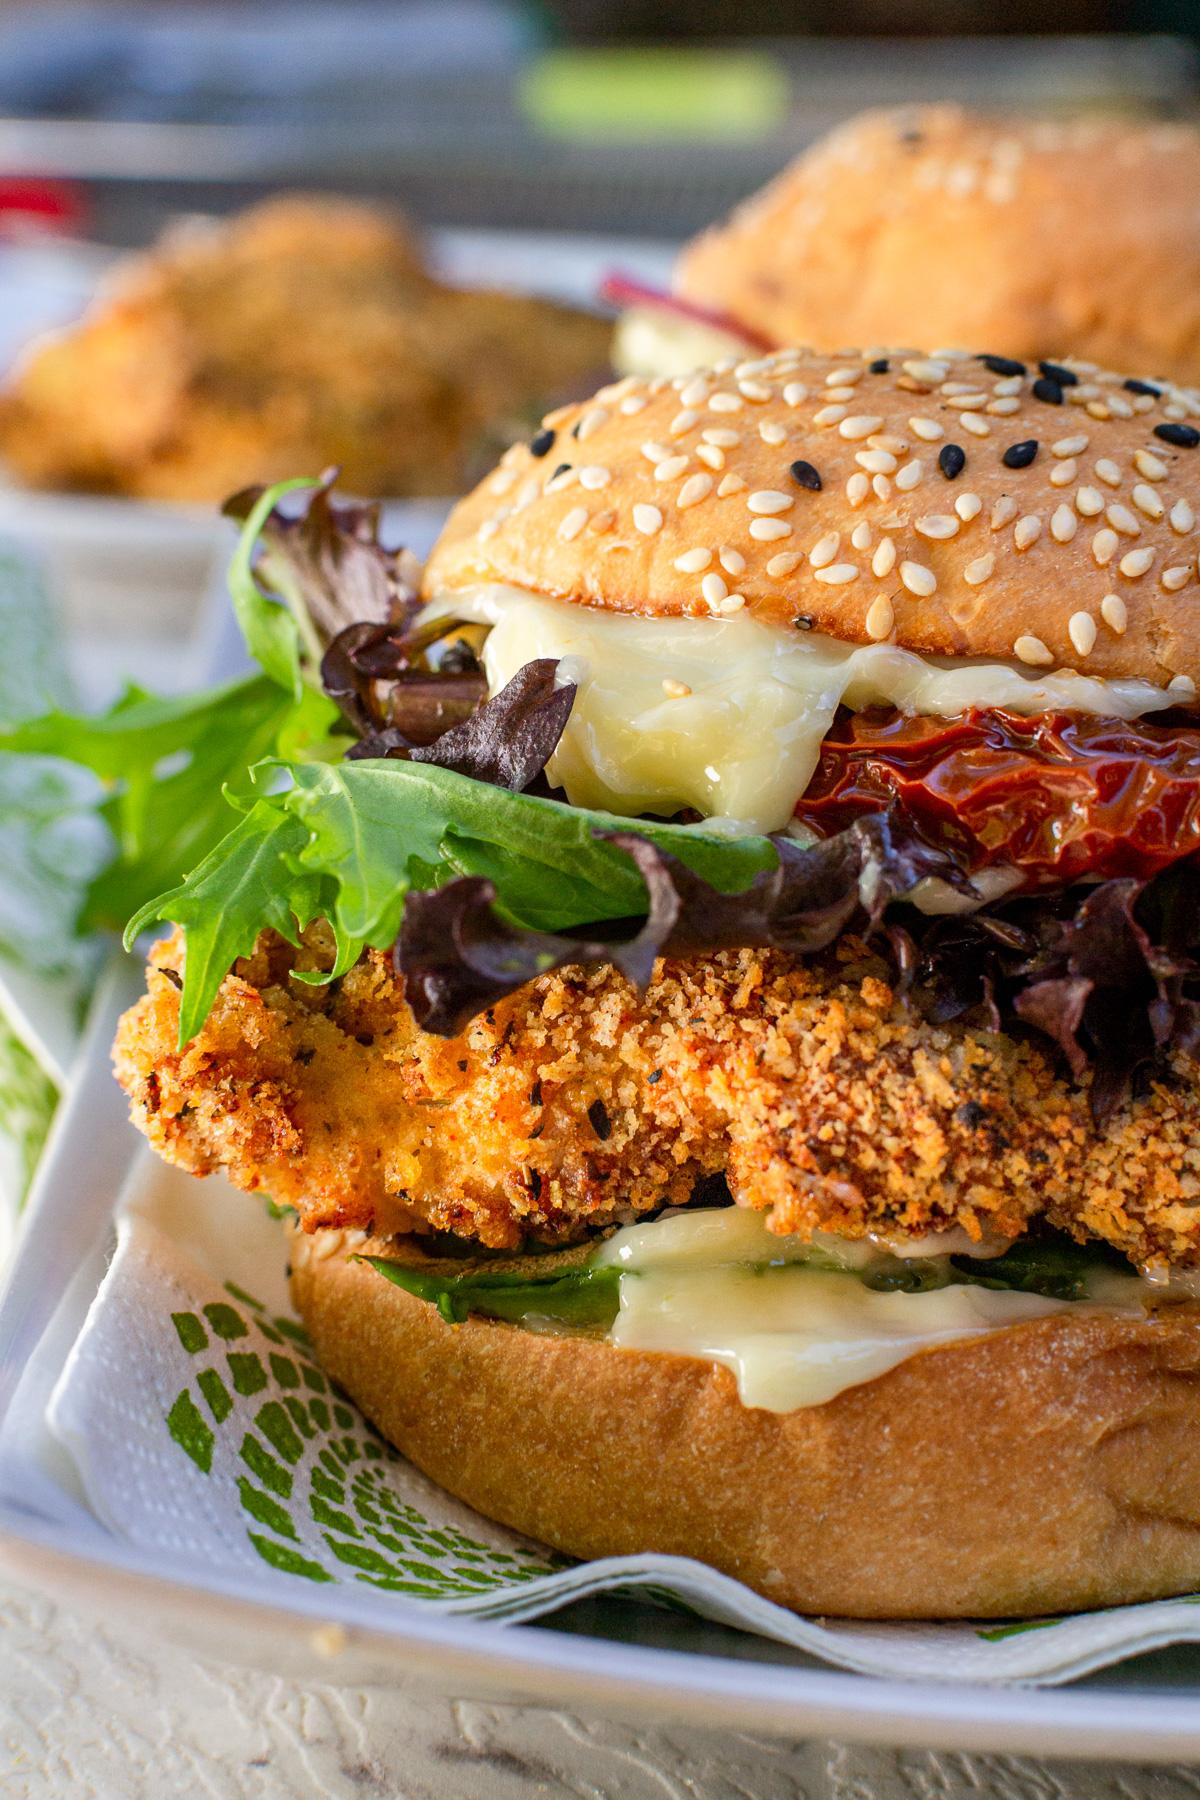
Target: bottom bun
x=1049, y=1467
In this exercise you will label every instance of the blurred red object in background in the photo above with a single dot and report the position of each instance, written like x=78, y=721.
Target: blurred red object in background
x=31, y=204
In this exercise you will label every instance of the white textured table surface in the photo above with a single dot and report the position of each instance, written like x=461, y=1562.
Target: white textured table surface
x=109, y=1711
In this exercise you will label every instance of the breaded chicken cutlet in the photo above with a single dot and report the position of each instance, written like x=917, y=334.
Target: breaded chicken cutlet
x=305, y=333
x=574, y=1105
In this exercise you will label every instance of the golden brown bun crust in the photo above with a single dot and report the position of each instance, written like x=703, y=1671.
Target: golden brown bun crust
x=939, y=226
x=1105, y=508
x=1050, y=1467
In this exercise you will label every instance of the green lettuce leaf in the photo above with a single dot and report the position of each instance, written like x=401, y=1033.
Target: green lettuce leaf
x=349, y=840
x=579, y=1297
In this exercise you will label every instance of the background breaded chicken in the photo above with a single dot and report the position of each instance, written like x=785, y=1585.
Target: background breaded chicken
x=575, y=1104
x=304, y=333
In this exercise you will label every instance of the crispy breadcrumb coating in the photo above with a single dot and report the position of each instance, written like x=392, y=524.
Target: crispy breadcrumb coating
x=302, y=333
x=575, y=1104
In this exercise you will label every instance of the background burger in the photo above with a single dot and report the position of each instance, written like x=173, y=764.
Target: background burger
x=722, y=1003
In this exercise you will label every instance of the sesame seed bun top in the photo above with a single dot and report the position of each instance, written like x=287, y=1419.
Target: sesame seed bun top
x=946, y=502
x=936, y=225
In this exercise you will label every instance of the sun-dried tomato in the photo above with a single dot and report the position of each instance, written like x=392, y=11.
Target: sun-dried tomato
x=1060, y=795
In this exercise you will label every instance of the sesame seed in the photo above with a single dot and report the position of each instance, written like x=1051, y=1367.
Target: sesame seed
x=542, y=443
x=1010, y=386
x=601, y=522
x=769, y=500
x=1174, y=411
x=1002, y=408
x=695, y=393
x=1098, y=410
x=1081, y=629
x=825, y=549
x=876, y=462
x=771, y=433
x=657, y=385
x=692, y=561
x=648, y=519
x=1027, y=531
x=1108, y=472
x=1070, y=446
x=1186, y=437
x=1122, y=520
x=670, y=467
x=563, y=477
x=1031, y=650
x=1120, y=409
x=1060, y=373
x=805, y=476
x=713, y=588
x=710, y=456
x=1005, y=509
x=785, y=564
x=1064, y=473
x=731, y=560
x=937, y=525
x=882, y=486
x=722, y=437
x=1019, y=456
x=922, y=370
x=1143, y=405
x=929, y=429
x=573, y=524
x=962, y=390
x=1048, y=391
x=975, y=425
x=502, y=481
x=1182, y=517
x=765, y=530
x=1147, y=501
x=655, y=453
x=675, y=690
x=1002, y=365
x=860, y=537
x=1141, y=387
x=487, y=530
x=829, y=415
x=683, y=422
x=730, y=484
x=725, y=403
x=918, y=579
x=952, y=460
x=883, y=440
x=838, y=574
x=732, y=603
x=1149, y=465
x=840, y=377
x=881, y=618
x=1105, y=545
x=1089, y=501
x=754, y=390
x=632, y=403
x=968, y=507
x=979, y=570
x=861, y=425
x=908, y=477
x=1063, y=524
x=794, y=393
x=527, y=493
x=1136, y=563
x=694, y=489
x=590, y=422
x=1114, y=613
x=755, y=366
x=884, y=559
x=857, y=489
x=879, y=366
x=595, y=476
x=1174, y=579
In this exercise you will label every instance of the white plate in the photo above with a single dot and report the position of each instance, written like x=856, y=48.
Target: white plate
x=618, y=1658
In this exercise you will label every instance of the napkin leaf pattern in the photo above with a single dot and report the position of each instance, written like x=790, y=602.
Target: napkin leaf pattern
x=316, y=1473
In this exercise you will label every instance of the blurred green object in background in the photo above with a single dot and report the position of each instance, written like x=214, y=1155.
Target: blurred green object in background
x=627, y=94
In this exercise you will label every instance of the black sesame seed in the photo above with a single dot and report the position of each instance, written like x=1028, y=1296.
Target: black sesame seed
x=952, y=460
x=542, y=444
x=1048, y=390
x=599, y=1119
x=1186, y=437
x=1056, y=372
x=878, y=367
x=1003, y=365
x=1019, y=456
x=803, y=622
x=654, y=1076
x=971, y=1114
x=1141, y=387
x=805, y=476
x=575, y=428
x=561, y=470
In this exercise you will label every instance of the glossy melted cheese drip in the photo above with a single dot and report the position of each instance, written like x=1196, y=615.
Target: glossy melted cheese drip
x=792, y=1326
x=741, y=747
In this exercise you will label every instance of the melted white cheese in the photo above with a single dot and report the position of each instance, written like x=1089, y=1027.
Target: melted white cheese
x=741, y=747
x=793, y=1326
